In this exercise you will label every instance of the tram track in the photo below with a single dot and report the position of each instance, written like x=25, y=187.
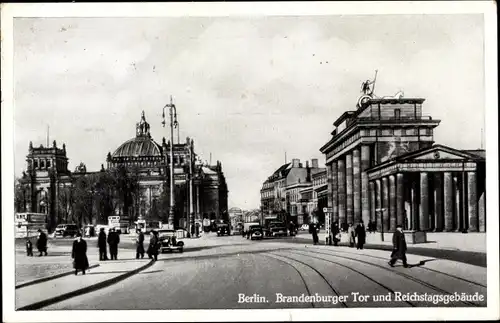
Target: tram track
x=424, y=268
x=296, y=269
x=350, y=268
x=416, y=280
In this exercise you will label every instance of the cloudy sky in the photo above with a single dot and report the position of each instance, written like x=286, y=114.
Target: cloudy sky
x=246, y=89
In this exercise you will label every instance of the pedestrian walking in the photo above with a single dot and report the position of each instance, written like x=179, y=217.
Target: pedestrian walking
x=314, y=231
x=79, y=254
x=351, y=235
x=291, y=228
x=140, y=245
x=41, y=243
x=399, y=247
x=360, y=233
x=113, y=241
x=153, y=246
x=101, y=243
x=29, y=248
x=336, y=233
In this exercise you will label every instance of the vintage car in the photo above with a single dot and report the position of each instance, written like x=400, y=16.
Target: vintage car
x=223, y=229
x=171, y=240
x=65, y=230
x=247, y=226
x=277, y=228
x=255, y=232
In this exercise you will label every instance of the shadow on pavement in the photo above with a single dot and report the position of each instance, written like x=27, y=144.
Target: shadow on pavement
x=150, y=272
x=422, y=263
x=104, y=272
x=50, y=254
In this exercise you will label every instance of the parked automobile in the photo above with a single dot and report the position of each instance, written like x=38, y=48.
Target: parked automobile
x=170, y=240
x=223, y=229
x=277, y=228
x=65, y=230
x=255, y=232
x=304, y=227
x=246, y=227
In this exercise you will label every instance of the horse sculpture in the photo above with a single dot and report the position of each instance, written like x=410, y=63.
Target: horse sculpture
x=398, y=95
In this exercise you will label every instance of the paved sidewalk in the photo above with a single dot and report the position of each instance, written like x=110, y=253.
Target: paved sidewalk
x=473, y=242
x=439, y=249
x=32, y=294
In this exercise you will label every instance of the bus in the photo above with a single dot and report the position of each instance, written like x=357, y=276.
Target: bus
x=27, y=224
x=147, y=226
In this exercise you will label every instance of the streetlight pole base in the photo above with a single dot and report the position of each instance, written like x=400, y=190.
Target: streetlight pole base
x=191, y=223
x=171, y=218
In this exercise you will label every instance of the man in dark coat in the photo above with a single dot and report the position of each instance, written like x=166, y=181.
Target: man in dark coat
x=399, y=247
x=29, y=248
x=79, y=254
x=101, y=243
x=153, y=246
x=41, y=243
x=291, y=228
x=360, y=233
x=140, y=245
x=113, y=241
x=314, y=231
x=336, y=233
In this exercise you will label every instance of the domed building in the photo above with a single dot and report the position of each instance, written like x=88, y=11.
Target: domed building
x=150, y=162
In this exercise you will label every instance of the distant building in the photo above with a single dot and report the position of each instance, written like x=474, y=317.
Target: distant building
x=235, y=216
x=47, y=174
x=280, y=193
x=383, y=166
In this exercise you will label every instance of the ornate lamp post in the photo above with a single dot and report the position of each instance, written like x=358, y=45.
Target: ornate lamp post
x=191, y=227
x=173, y=123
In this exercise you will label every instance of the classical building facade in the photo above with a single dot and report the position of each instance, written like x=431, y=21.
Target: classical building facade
x=200, y=189
x=383, y=166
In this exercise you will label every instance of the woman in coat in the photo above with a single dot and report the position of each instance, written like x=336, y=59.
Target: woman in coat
x=41, y=243
x=79, y=254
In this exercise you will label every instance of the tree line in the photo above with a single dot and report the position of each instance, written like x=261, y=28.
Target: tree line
x=91, y=198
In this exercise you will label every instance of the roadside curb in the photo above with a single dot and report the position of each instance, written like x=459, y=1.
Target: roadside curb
x=85, y=290
x=44, y=279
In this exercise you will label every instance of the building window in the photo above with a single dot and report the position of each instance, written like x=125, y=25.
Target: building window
x=424, y=131
x=410, y=132
x=42, y=164
x=48, y=163
x=397, y=113
x=397, y=132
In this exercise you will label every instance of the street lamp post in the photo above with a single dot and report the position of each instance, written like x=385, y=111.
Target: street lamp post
x=173, y=123
x=191, y=204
